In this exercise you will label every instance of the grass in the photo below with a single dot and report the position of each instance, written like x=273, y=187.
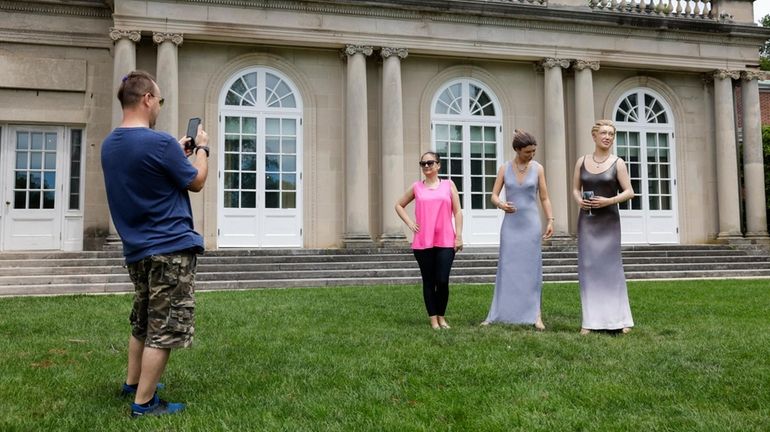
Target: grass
x=360, y=359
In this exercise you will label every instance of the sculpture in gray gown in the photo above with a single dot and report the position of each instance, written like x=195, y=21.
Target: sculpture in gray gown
x=603, y=291
x=519, y=281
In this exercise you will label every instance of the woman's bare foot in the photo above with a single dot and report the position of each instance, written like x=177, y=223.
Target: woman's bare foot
x=539, y=324
x=485, y=323
x=626, y=330
x=434, y=323
x=584, y=331
x=442, y=322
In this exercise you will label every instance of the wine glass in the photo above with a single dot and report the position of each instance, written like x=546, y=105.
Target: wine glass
x=587, y=195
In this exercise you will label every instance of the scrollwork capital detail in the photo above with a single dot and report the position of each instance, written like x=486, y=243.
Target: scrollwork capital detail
x=753, y=75
x=351, y=50
x=550, y=62
x=585, y=64
x=386, y=52
x=118, y=34
x=175, y=38
x=725, y=74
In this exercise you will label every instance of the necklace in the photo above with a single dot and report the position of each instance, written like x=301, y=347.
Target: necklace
x=598, y=163
x=521, y=170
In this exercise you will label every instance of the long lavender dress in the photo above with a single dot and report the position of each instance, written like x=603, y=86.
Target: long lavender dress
x=519, y=281
x=603, y=291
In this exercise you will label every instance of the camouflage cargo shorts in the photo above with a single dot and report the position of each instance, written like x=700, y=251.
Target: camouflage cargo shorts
x=163, y=315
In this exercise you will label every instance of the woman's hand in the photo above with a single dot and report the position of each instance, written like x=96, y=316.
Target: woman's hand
x=600, y=201
x=458, y=243
x=413, y=227
x=507, y=207
x=548, y=229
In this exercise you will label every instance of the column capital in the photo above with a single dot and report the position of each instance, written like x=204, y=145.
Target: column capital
x=550, y=62
x=585, y=64
x=351, y=50
x=754, y=75
x=725, y=74
x=386, y=52
x=118, y=34
x=175, y=38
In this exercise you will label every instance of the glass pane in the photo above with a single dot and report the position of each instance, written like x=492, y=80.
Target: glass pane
x=231, y=199
x=232, y=124
x=238, y=87
x=633, y=139
x=654, y=187
x=477, y=201
x=664, y=173
x=456, y=133
x=636, y=203
x=248, y=200
x=49, y=180
x=476, y=149
x=35, y=160
x=249, y=181
x=232, y=99
x=21, y=180
x=35, y=180
x=663, y=155
x=34, y=200
x=475, y=133
x=289, y=163
x=249, y=162
x=289, y=127
x=457, y=149
x=634, y=170
x=442, y=148
x=272, y=145
x=637, y=186
x=652, y=171
x=490, y=167
x=489, y=184
x=37, y=141
x=19, y=200
x=289, y=182
x=49, y=199
x=663, y=140
x=289, y=145
x=442, y=132
x=232, y=162
x=232, y=143
x=74, y=201
x=489, y=150
x=654, y=202
x=476, y=184
x=272, y=163
x=489, y=134
x=249, y=125
x=456, y=166
x=50, y=141
x=273, y=126
x=50, y=160
x=289, y=200
x=488, y=203
x=271, y=182
x=272, y=199
x=476, y=168
x=22, y=140
x=231, y=180
x=665, y=187
x=21, y=160
x=458, y=181
x=665, y=203
x=249, y=145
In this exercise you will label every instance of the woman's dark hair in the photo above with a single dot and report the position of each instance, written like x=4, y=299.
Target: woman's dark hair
x=522, y=139
x=435, y=155
x=134, y=86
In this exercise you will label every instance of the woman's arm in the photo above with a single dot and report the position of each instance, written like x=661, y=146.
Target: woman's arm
x=627, y=191
x=458, y=213
x=545, y=202
x=577, y=186
x=403, y=202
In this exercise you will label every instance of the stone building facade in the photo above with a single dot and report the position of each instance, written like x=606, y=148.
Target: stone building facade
x=319, y=110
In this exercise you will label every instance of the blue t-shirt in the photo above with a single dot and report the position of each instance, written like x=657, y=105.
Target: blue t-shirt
x=146, y=175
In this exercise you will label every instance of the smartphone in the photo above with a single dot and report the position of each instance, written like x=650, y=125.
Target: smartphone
x=192, y=132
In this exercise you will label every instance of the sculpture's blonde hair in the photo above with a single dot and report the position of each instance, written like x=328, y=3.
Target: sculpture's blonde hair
x=600, y=123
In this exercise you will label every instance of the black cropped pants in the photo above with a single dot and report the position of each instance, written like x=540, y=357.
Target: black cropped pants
x=435, y=265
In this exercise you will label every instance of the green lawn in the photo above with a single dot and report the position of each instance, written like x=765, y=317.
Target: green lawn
x=365, y=358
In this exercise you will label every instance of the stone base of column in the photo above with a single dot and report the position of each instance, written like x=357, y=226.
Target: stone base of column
x=393, y=241
x=730, y=238
x=561, y=241
x=112, y=243
x=357, y=241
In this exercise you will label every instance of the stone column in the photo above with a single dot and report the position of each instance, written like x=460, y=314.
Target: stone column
x=726, y=156
x=357, y=232
x=753, y=164
x=392, y=178
x=123, y=62
x=167, y=77
x=584, y=105
x=556, y=145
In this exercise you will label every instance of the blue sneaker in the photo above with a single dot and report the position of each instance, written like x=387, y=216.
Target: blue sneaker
x=157, y=407
x=130, y=390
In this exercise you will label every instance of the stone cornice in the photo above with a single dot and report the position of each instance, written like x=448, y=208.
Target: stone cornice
x=38, y=37
x=388, y=51
x=725, y=74
x=75, y=8
x=175, y=38
x=117, y=34
x=585, y=64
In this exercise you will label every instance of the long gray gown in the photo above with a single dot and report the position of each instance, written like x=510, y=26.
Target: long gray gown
x=519, y=281
x=603, y=291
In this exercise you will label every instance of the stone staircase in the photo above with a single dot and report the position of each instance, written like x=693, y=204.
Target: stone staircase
x=45, y=273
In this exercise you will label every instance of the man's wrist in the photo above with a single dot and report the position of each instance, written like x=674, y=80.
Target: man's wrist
x=204, y=148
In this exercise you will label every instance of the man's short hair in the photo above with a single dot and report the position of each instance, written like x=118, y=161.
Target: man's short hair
x=134, y=86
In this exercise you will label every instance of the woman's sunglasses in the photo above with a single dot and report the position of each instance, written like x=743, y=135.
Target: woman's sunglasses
x=428, y=163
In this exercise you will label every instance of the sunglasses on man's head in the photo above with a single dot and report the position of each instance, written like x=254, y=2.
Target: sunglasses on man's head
x=427, y=163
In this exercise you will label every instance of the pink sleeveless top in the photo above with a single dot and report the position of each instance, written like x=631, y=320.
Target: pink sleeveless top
x=433, y=213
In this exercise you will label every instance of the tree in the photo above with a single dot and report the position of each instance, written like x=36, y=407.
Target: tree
x=764, y=52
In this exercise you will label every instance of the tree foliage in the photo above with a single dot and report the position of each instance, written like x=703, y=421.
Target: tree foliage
x=766, y=149
x=764, y=52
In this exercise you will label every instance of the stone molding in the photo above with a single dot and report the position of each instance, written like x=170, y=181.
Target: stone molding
x=550, y=62
x=118, y=34
x=725, y=74
x=175, y=38
x=585, y=64
x=351, y=50
x=81, y=10
x=386, y=52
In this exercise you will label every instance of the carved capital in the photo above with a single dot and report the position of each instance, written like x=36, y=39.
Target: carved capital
x=550, y=62
x=351, y=50
x=726, y=74
x=118, y=34
x=585, y=64
x=388, y=51
x=175, y=38
x=754, y=75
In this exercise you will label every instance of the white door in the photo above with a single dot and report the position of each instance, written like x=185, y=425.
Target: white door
x=33, y=184
x=466, y=133
x=260, y=174
x=645, y=141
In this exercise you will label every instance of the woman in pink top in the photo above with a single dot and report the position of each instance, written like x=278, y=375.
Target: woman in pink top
x=436, y=238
